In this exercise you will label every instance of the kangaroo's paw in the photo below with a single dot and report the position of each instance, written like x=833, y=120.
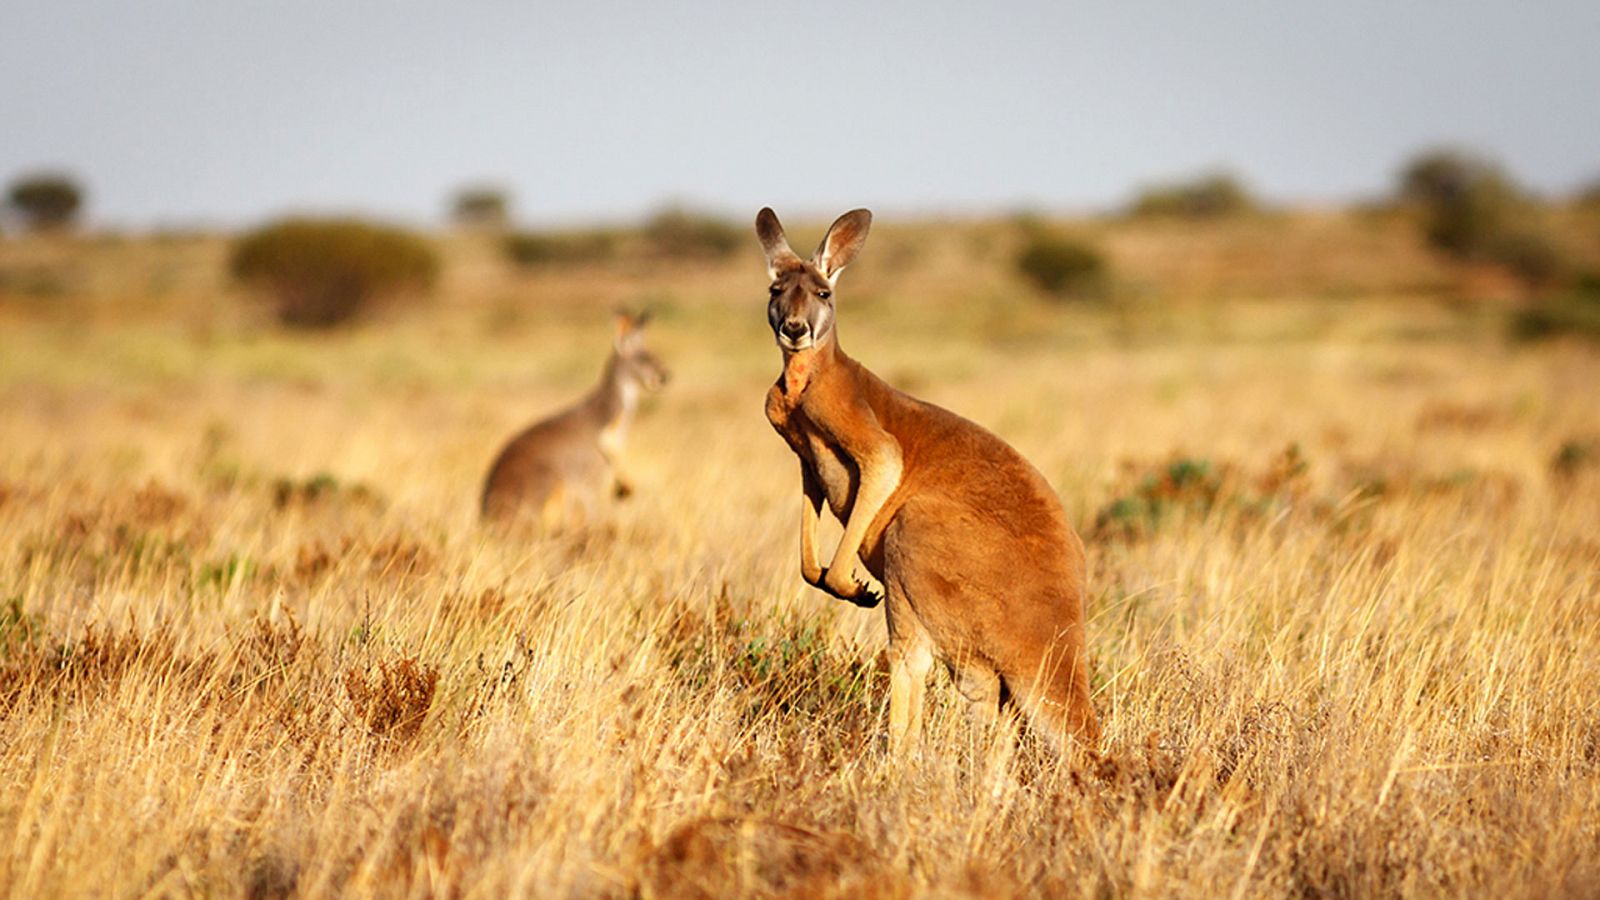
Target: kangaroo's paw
x=850, y=590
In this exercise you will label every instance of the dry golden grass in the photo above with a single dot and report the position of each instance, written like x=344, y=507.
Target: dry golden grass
x=253, y=642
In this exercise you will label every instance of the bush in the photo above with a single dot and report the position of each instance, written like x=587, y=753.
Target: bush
x=1467, y=202
x=1207, y=197
x=1195, y=486
x=1576, y=314
x=46, y=201
x=40, y=281
x=1574, y=456
x=1062, y=266
x=1182, y=484
x=679, y=232
x=673, y=233
x=1531, y=255
x=533, y=248
x=1473, y=211
x=392, y=699
x=481, y=207
x=1588, y=196
x=322, y=272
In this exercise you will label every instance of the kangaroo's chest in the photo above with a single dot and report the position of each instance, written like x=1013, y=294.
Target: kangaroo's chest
x=611, y=438
x=837, y=472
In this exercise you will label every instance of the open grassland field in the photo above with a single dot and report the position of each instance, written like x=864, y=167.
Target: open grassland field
x=1343, y=607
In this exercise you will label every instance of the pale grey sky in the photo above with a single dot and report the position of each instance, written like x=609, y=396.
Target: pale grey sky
x=178, y=111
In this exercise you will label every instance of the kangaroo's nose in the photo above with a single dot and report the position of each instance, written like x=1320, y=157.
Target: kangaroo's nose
x=795, y=328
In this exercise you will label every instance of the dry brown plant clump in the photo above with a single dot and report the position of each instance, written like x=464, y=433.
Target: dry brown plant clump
x=392, y=698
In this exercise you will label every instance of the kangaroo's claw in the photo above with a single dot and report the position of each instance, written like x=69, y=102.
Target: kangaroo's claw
x=864, y=596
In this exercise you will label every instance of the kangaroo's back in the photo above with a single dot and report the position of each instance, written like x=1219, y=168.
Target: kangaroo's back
x=542, y=464
x=982, y=553
x=943, y=454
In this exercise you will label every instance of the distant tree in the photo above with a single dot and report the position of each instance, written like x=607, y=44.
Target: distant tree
x=1447, y=175
x=679, y=232
x=1208, y=196
x=481, y=206
x=46, y=200
x=1472, y=210
x=1468, y=202
x=1588, y=196
x=322, y=272
x=533, y=249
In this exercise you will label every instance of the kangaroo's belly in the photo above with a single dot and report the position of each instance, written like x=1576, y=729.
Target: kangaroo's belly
x=841, y=479
x=838, y=474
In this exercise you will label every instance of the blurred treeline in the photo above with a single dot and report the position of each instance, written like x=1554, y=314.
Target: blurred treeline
x=1466, y=212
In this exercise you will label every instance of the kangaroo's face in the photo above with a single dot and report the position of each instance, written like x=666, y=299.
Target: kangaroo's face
x=800, y=310
x=636, y=365
x=800, y=299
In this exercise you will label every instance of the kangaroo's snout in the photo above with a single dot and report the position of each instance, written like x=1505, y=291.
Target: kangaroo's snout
x=795, y=329
x=656, y=377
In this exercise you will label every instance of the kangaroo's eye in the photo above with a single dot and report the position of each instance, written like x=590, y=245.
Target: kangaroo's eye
x=824, y=294
x=774, y=290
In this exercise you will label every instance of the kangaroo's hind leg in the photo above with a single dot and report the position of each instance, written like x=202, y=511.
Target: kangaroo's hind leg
x=1052, y=688
x=910, y=659
x=979, y=684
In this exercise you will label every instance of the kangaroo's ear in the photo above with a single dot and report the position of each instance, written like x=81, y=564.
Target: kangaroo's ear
x=773, y=242
x=626, y=324
x=843, y=241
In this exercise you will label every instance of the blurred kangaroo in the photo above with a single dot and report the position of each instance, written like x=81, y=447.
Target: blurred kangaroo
x=560, y=467
x=970, y=544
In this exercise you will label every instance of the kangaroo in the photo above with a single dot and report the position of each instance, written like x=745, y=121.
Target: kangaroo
x=561, y=466
x=967, y=541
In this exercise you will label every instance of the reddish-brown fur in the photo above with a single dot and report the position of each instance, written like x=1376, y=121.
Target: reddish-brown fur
x=978, y=563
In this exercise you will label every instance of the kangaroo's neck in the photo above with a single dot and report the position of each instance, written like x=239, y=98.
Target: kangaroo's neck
x=615, y=397
x=801, y=367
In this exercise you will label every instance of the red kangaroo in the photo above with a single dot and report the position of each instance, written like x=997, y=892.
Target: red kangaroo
x=976, y=559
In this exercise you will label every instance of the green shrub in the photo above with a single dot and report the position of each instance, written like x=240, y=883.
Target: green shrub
x=40, y=281
x=481, y=206
x=1575, y=314
x=541, y=248
x=1532, y=255
x=1063, y=267
x=1574, y=456
x=1182, y=484
x=19, y=629
x=682, y=233
x=46, y=200
x=322, y=272
x=1207, y=197
x=1189, y=486
x=1588, y=196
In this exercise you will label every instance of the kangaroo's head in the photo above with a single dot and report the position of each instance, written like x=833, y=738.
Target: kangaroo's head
x=632, y=363
x=800, y=310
